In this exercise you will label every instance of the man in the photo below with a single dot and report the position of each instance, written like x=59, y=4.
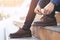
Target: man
x=49, y=7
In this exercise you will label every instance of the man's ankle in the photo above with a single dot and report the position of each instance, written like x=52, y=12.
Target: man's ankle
x=26, y=29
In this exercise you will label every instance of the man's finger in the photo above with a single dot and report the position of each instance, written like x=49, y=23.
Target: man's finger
x=36, y=11
x=46, y=11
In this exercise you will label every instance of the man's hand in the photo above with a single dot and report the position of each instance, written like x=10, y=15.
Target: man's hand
x=37, y=9
x=49, y=8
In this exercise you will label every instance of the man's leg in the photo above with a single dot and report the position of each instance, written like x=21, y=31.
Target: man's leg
x=25, y=31
x=31, y=15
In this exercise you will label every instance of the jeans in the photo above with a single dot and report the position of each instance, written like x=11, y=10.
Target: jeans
x=31, y=15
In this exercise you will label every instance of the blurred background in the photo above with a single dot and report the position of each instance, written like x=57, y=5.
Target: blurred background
x=12, y=12
x=13, y=8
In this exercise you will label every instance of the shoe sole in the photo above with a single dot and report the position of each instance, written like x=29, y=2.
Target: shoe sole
x=44, y=24
x=23, y=36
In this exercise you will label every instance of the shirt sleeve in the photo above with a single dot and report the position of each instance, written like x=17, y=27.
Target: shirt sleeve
x=56, y=2
x=43, y=3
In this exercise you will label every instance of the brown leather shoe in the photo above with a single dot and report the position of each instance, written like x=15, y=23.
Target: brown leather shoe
x=46, y=21
x=21, y=34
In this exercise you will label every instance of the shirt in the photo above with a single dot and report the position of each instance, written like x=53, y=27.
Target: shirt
x=45, y=2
